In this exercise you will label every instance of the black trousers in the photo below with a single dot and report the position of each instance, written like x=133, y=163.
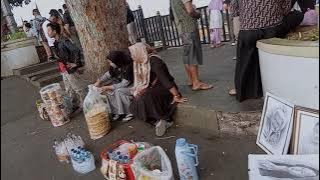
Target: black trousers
x=247, y=74
x=304, y=4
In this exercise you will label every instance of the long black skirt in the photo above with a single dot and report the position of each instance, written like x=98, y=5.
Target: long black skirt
x=247, y=75
x=154, y=104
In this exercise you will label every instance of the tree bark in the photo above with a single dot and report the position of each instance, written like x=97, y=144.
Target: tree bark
x=101, y=26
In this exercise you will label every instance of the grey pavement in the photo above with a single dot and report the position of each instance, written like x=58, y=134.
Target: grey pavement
x=26, y=140
x=218, y=69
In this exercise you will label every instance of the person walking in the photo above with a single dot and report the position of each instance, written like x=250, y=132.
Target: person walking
x=185, y=17
x=70, y=64
x=215, y=8
x=259, y=19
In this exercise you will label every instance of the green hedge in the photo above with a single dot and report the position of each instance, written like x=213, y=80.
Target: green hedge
x=13, y=36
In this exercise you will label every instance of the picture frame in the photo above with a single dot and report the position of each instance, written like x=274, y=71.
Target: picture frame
x=305, y=137
x=276, y=124
x=293, y=167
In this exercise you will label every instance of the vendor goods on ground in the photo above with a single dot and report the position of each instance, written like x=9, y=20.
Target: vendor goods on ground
x=57, y=103
x=95, y=108
x=153, y=163
x=187, y=159
x=42, y=109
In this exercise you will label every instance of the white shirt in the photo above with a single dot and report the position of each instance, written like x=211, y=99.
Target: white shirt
x=45, y=30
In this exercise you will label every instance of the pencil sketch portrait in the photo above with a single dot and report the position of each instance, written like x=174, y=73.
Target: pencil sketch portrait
x=275, y=126
x=306, y=132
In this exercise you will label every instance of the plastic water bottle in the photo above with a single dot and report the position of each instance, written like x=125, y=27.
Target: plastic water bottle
x=125, y=159
x=187, y=159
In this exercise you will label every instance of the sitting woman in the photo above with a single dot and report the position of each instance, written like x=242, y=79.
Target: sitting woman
x=155, y=93
x=116, y=84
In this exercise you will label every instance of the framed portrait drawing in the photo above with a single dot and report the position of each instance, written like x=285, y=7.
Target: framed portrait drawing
x=305, y=131
x=293, y=167
x=275, y=126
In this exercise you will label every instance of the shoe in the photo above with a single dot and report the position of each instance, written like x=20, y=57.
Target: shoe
x=162, y=126
x=234, y=58
x=115, y=117
x=232, y=92
x=128, y=118
x=52, y=58
x=233, y=44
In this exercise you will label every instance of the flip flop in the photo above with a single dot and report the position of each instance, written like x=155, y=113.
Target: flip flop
x=232, y=92
x=203, y=87
x=219, y=45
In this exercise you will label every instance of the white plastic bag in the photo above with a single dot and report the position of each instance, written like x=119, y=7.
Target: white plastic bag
x=84, y=167
x=152, y=164
x=95, y=108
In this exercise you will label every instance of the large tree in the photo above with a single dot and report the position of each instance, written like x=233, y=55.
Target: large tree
x=101, y=26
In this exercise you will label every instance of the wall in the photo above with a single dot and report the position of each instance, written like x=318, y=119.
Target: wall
x=17, y=54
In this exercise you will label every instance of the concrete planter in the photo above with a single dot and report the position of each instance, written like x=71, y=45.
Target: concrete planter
x=290, y=70
x=17, y=54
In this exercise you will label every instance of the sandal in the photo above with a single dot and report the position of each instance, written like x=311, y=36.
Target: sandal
x=232, y=92
x=219, y=45
x=202, y=86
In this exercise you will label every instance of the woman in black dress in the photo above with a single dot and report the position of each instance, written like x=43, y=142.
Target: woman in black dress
x=155, y=93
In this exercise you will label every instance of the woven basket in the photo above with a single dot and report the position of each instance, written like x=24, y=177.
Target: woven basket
x=98, y=123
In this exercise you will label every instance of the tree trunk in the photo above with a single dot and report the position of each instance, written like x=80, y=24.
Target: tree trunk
x=101, y=26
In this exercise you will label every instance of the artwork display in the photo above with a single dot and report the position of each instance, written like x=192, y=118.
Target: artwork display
x=306, y=131
x=286, y=167
x=275, y=126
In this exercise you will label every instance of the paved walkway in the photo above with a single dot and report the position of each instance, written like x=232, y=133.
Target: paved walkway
x=27, y=153
x=218, y=69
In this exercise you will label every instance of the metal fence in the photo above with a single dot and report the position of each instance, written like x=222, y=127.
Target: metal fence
x=159, y=30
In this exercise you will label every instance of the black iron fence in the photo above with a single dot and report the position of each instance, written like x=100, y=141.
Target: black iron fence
x=159, y=30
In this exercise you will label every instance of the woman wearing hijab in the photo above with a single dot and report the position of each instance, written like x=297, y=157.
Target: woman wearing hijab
x=118, y=80
x=155, y=93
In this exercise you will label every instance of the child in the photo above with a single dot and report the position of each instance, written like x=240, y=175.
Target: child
x=215, y=7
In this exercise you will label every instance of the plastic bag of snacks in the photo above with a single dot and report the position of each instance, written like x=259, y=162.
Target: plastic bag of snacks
x=95, y=108
x=61, y=151
x=113, y=167
x=42, y=110
x=152, y=164
x=57, y=104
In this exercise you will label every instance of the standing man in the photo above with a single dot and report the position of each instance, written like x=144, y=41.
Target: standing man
x=38, y=21
x=69, y=60
x=185, y=16
x=259, y=19
x=70, y=27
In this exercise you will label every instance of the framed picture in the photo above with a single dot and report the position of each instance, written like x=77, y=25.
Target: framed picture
x=293, y=167
x=305, y=131
x=275, y=126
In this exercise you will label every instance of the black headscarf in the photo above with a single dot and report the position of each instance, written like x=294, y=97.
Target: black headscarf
x=124, y=63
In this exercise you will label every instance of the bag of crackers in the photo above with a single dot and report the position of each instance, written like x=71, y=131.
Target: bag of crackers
x=95, y=108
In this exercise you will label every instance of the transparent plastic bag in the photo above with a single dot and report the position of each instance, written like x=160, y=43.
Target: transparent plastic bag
x=61, y=151
x=73, y=141
x=84, y=167
x=152, y=164
x=310, y=18
x=95, y=108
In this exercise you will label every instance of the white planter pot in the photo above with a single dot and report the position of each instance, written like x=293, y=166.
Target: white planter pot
x=17, y=54
x=290, y=70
